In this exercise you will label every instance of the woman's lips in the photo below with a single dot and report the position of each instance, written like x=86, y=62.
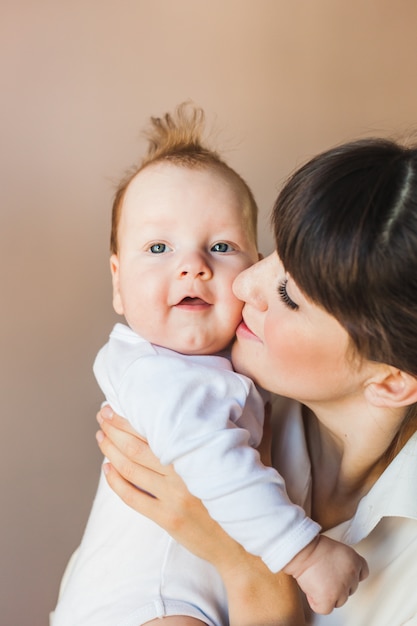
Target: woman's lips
x=244, y=332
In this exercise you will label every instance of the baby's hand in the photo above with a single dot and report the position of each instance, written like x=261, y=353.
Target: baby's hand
x=328, y=572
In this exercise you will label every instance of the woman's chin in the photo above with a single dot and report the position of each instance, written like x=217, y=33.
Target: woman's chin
x=241, y=358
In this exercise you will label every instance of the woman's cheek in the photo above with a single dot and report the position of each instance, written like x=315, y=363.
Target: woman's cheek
x=280, y=338
x=285, y=348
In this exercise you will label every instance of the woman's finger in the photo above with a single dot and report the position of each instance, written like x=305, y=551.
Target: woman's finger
x=135, y=498
x=121, y=434
x=141, y=476
x=107, y=415
x=182, y=515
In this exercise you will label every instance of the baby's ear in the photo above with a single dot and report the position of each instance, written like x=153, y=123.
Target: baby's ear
x=394, y=388
x=117, y=299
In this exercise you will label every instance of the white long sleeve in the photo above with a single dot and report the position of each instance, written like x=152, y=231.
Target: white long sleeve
x=201, y=416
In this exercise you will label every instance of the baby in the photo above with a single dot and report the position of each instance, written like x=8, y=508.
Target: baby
x=183, y=228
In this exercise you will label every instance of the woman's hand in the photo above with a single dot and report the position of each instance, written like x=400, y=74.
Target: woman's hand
x=256, y=596
x=150, y=488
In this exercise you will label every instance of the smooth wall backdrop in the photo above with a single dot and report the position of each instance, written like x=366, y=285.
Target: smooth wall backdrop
x=279, y=80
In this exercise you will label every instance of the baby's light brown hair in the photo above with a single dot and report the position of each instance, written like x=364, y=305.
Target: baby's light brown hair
x=178, y=139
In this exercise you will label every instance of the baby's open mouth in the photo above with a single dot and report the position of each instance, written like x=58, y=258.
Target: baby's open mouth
x=192, y=301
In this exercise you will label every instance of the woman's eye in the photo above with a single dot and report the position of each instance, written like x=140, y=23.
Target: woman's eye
x=283, y=294
x=159, y=248
x=222, y=247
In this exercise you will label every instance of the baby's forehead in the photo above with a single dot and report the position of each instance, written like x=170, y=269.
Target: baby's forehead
x=167, y=177
x=166, y=182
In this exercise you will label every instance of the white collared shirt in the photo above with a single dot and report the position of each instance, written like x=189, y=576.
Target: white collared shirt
x=383, y=530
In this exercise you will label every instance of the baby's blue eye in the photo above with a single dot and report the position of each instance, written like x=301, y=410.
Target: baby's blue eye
x=222, y=247
x=158, y=248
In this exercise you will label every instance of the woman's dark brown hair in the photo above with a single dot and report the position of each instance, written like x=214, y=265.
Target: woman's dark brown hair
x=346, y=230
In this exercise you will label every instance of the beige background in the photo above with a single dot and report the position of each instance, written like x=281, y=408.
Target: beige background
x=279, y=79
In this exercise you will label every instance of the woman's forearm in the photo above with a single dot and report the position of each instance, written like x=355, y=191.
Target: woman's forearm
x=257, y=597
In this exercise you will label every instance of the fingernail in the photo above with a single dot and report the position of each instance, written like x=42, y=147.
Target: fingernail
x=107, y=412
x=106, y=468
x=100, y=436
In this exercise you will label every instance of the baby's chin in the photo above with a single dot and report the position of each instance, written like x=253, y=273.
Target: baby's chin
x=196, y=347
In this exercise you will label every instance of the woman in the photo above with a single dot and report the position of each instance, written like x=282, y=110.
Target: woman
x=330, y=320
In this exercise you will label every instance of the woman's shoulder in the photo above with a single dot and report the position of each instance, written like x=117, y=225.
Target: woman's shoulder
x=393, y=496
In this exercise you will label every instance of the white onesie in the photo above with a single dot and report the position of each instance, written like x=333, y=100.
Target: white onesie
x=200, y=415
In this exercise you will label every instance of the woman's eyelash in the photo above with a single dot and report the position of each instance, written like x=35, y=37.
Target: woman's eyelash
x=283, y=294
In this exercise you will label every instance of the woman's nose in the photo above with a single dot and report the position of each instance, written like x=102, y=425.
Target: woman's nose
x=249, y=285
x=195, y=265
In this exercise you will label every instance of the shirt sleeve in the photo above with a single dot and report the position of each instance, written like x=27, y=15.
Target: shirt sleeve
x=188, y=414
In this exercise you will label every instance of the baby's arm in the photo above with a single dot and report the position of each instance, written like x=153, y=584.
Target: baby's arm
x=328, y=572
x=193, y=426
x=189, y=412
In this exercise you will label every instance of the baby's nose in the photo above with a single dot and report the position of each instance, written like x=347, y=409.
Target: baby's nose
x=195, y=266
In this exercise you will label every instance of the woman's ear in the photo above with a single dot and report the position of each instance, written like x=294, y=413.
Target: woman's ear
x=115, y=275
x=394, y=388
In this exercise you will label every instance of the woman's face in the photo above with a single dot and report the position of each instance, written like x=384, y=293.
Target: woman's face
x=286, y=343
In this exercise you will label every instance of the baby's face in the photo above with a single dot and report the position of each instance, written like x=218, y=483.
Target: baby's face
x=183, y=238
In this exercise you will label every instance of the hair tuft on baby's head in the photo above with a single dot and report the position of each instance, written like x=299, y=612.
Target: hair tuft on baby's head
x=178, y=137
